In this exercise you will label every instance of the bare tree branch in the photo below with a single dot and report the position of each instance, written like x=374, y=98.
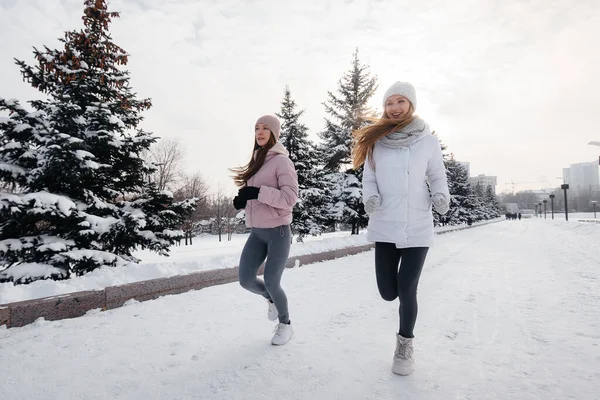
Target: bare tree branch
x=224, y=214
x=194, y=186
x=168, y=157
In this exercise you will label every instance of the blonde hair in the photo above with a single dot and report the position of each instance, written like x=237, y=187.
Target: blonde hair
x=365, y=138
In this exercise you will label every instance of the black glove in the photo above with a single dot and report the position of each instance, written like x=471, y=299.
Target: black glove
x=239, y=203
x=248, y=193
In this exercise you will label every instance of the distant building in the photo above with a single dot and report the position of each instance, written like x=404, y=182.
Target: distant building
x=583, y=177
x=484, y=181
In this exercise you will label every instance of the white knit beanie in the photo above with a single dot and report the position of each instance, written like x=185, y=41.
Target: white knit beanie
x=402, y=89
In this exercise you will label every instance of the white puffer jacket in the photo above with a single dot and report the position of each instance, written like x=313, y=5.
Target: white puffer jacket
x=400, y=179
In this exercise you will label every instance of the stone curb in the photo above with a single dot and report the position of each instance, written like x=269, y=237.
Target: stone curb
x=76, y=304
x=56, y=307
x=5, y=316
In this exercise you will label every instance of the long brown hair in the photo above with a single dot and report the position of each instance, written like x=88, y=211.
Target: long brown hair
x=365, y=138
x=259, y=154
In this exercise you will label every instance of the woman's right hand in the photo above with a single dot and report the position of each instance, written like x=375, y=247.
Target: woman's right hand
x=372, y=204
x=238, y=203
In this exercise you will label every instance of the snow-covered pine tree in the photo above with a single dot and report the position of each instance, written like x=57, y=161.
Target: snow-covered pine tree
x=347, y=111
x=83, y=199
x=461, y=206
x=345, y=201
x=492, y=202
x=484, y=200
x=308, y=218
x=480, y=211
x=478, y=190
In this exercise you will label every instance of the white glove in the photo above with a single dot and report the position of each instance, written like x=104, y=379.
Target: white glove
x=372, y=204
x=440, y=203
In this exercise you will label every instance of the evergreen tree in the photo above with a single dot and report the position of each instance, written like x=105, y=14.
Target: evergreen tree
x=308, y=217
x=347, y=111
x=345, y=194
x=462, y=206
x=486, y=205
x=492, y=202
x=84, y=198
x=480, y=211
x=468, y=201
x=478, y=190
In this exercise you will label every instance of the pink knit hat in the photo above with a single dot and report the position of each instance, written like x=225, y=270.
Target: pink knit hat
x=272, y=122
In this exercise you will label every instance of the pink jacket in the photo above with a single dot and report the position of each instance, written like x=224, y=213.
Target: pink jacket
x=278, y=183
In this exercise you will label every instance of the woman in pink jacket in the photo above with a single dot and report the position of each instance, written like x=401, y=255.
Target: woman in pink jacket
x=269, y=190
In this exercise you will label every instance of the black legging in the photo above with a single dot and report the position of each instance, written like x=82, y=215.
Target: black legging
x=403, y=283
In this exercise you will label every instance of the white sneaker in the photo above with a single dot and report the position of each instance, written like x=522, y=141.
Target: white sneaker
x=272, y=314
x=403, y=356
x=283, y=334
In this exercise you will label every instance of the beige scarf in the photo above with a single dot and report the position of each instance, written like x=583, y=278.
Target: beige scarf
x=407, y=135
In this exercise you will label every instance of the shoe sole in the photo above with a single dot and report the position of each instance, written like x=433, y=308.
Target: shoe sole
x=402, y=371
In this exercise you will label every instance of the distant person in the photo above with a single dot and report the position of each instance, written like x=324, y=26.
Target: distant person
x=400, y=155
x=269, y=190
x=519, y=216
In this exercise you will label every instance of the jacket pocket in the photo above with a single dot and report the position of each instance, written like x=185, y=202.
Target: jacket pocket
x=420, y=199
x=273, y=211
x=280, y=212
x=266, y=211
x=390, y=209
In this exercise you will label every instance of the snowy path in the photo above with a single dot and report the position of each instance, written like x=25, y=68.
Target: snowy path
x=507, y=311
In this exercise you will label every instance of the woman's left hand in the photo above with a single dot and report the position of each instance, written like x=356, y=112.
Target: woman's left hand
x=440, y=203
x=248, y=193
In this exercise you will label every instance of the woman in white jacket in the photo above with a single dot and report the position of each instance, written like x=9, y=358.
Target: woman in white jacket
x=404, y=175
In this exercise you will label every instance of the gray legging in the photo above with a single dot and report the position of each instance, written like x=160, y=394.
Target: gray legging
x=274, y=245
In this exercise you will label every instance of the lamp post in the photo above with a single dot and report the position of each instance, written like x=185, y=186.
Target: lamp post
x=552, y=204
x=594, y=205
x=565, y=187
x=540, y=208
x=545, y=212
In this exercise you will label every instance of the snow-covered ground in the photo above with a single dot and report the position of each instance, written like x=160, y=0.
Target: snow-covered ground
x=206, y=253
x=572, y=216
x=507, y=311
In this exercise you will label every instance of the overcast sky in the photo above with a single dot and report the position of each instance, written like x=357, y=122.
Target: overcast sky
x=513, y=87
